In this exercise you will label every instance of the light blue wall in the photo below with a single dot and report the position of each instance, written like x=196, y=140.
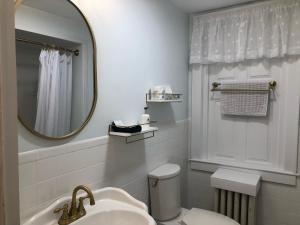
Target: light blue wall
x=140, y=43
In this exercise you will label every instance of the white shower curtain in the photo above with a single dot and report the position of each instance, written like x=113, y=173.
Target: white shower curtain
x=54, y=94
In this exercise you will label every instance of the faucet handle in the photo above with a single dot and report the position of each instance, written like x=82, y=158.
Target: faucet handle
x=64, y=215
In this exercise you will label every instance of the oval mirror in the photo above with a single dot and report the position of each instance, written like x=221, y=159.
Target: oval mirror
x=56, y=68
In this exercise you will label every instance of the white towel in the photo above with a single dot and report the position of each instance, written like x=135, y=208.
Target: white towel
x=245, y=103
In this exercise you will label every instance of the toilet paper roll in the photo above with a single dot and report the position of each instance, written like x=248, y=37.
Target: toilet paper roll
x=145, y=120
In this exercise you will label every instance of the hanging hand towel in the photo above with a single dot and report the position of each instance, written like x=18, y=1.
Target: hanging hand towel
x=245, y=103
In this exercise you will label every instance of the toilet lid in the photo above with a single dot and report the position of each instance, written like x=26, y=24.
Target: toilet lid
x=204, y=217
x=165, y=171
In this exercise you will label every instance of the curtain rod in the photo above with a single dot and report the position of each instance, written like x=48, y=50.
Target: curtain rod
x=73, y=51
x=250, y=2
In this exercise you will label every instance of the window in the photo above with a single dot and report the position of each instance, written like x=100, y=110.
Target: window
x=269, y=144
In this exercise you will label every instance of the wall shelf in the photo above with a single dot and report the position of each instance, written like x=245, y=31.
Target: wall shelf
x=163, y=98
x=130, y=137
x=163, y=101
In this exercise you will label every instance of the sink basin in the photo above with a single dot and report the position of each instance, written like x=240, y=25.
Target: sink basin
x=115, y=217
x=113, y=206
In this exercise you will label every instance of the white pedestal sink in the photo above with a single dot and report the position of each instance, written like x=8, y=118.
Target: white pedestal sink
x=113, y=207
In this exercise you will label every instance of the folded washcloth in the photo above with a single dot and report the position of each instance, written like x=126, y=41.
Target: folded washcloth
x=245, y=103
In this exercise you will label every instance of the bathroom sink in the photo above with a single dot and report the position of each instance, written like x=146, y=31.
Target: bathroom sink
x=113, y=207
x=116, y=217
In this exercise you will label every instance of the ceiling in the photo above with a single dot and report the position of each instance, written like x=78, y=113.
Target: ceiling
x=191, y=6
x=62, y=8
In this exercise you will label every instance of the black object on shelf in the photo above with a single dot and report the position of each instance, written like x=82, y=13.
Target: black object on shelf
x=129, y=129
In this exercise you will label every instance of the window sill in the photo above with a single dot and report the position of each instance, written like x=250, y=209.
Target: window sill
x=270, y=175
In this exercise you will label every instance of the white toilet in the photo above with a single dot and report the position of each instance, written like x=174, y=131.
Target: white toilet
x=164, y=185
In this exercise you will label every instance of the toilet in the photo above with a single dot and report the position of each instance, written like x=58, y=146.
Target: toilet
x=164, y=186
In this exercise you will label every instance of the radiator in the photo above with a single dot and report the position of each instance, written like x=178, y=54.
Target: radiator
x=240, y=207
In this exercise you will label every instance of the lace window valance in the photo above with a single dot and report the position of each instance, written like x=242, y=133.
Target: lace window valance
x=264, y=30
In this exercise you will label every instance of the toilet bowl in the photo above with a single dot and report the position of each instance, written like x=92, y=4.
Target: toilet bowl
x=164, y=186
x=204, y=217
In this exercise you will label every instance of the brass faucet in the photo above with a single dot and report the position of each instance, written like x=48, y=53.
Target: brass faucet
x=69, y=216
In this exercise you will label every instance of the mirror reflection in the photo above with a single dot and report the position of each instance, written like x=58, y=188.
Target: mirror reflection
x=55, y=68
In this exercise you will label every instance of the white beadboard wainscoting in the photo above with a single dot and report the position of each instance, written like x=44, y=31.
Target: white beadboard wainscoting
x=50, y=173
x=268, y=144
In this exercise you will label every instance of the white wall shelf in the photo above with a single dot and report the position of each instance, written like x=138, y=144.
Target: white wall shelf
x=163, y=98
x=130, y=137
x=163, y=101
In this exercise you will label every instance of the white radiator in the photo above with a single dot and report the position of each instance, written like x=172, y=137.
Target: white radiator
x=240, y=207
x=235, y=195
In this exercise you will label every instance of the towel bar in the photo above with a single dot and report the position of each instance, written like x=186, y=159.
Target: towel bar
x=272, y=85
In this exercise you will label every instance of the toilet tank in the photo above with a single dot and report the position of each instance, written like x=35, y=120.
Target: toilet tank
x=164, y=186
